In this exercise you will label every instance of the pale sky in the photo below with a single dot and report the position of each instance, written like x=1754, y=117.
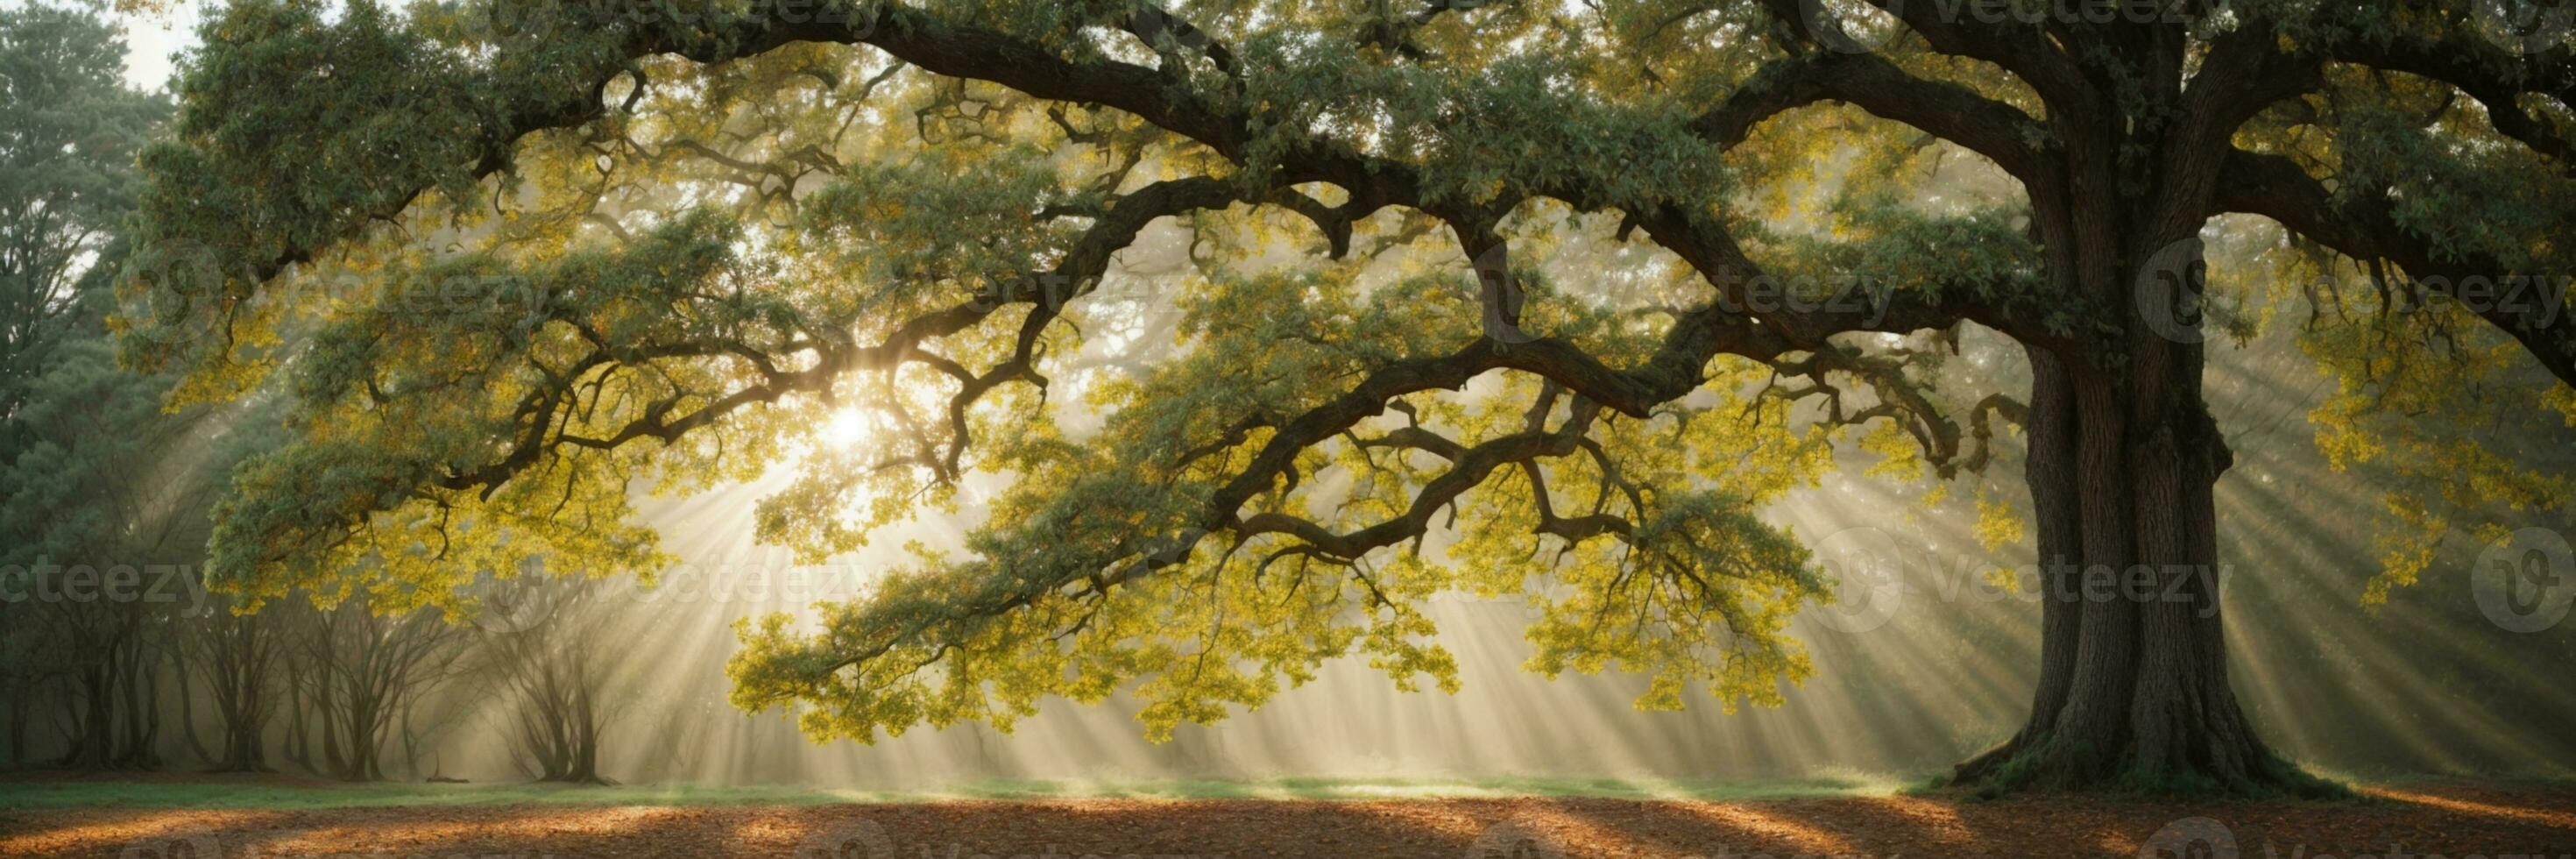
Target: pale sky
x=150, y=39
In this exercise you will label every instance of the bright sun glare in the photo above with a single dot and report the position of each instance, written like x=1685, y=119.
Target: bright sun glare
x=845, y=429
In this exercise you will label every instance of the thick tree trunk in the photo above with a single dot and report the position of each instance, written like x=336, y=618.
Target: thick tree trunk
x=2124, y=460
x=2133, y=692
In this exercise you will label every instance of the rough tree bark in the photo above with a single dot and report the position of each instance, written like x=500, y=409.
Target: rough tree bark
x=2123, y=461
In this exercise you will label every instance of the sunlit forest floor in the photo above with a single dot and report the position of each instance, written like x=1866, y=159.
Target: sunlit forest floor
x=206, y=816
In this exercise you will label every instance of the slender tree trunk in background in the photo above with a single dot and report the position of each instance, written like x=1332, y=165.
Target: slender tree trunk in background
x=245, y=732
x=244, y=748
x=143, y=712
x=560, y=725
x=356, y=760
x=370, y=721
x=235, y=654
x=67, y=713
x=21, y=697
x=90, y=711
x=113, y=697
x=115, y=724
x=299, y=747
x=188, y=713
x=410, y=742
x=579, y=733
x=327, y=723
x=551, y=670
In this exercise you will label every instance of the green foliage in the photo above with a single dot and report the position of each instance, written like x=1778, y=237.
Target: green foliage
x=327, y=119
x=68, y=133
x=1518, y=126
x=79, y=437
x=512, y=277
x=81, y=490
x=442, y=360
x=2398, y=351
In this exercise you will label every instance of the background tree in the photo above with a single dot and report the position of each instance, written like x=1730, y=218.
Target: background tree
x=235, y=656
x=362, y=666
x=552, y=644
x=106, y=508
x=698, y=241
x=69, y=131
x=77, y=434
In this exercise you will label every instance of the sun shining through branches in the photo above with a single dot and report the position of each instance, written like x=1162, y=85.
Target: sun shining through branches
x=847, y=429
x=1403, y=428
x=1241, y=340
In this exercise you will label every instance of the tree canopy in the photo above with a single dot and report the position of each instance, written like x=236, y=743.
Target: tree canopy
x=1249, y=300
x=69, y=131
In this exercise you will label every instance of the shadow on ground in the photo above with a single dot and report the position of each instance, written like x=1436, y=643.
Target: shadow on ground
x=2451, y=819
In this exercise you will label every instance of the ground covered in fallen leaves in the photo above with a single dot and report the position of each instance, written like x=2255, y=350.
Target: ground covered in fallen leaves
x=2448, y=819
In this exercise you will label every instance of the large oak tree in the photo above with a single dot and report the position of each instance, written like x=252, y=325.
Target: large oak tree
x=517, y=257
